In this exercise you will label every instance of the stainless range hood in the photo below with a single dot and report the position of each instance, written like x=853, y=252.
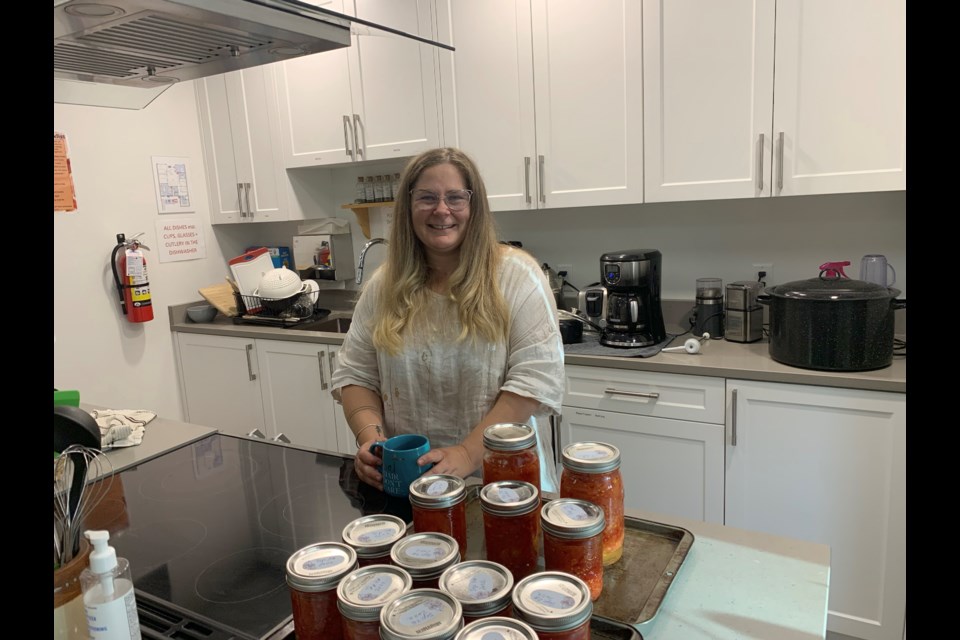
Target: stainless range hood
x=141, y=47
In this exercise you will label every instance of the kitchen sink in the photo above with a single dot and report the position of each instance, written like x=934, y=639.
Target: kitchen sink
x=331, y=325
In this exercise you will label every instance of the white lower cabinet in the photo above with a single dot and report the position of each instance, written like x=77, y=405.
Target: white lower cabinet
x=279, y=387
x=669, y=429
x=827, y=465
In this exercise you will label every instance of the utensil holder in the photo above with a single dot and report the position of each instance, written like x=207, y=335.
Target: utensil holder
x=69, y=617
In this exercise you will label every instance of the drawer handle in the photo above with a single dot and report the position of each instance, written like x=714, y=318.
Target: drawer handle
x=281, y=438
x=634, y=394
x=248, y=348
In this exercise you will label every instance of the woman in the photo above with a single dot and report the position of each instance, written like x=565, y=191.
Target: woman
x=453, y=333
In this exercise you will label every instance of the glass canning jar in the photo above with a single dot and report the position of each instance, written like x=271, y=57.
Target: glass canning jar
x=573, y=540
x=373, y=536
x=313, y=574
x=483, y=588
x=498, y=627
x=556, y=604
x=421, y=614
x=425, y=556
x=510, y=453
x=439, y=504
x=591, y=472
x=363, y=593
x=511, y=525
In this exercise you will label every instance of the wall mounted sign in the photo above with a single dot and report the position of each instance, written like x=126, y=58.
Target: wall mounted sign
x=64, y=195
x=179, y=239
x=172, y=181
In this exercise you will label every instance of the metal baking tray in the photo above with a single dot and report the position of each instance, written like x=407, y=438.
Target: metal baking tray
x=633, y=587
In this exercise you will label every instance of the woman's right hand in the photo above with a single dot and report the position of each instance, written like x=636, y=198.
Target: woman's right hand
x=365, y=464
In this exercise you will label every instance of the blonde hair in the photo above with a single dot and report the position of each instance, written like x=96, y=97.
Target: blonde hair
x=473, y=286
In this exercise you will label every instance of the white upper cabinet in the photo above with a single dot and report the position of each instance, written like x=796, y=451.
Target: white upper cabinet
x=241, y=142
x=546, y=97
x=753, y=99
x=374, y=100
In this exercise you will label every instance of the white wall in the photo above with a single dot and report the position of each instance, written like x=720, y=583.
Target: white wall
x=121, y=365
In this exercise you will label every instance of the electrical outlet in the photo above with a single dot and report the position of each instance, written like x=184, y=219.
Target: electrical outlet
x=765, y=267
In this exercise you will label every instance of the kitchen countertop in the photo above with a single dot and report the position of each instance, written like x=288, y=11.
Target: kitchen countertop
x=719, y=358
x=732, y=584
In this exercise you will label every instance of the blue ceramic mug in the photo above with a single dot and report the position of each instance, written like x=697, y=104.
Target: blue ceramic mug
x=399, y=455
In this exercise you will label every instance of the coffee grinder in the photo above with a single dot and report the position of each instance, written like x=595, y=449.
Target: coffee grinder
x=634, y=316
x=708, y=313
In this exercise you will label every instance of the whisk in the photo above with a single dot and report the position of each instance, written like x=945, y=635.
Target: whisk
x=79, y=484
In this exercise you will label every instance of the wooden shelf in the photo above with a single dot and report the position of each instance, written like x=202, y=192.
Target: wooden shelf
x=362, y=211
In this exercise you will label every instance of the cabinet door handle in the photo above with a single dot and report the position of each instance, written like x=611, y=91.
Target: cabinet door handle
x=543, y=196
x=361, y=147
x=281, y=438
x=760, y=164
x=256, y=433
x=526, y=178
x=633, y=394
x=250, y=372
x=246, y=195
x=780, y=167
x=240, y=198
x=331, y=359
x=323, y=378
x=347, y=129
x=733, y=418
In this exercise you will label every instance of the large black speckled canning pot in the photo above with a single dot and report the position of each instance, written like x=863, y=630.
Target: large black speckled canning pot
x=832, y=324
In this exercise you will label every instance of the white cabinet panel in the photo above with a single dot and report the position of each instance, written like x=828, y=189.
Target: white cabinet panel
x=827, y=465
x=674, y=467
x=220, y=382
x=754, y=99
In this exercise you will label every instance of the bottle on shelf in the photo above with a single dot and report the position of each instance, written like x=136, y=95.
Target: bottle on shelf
x=360, y=192
x=369, y=195
x=378, y=188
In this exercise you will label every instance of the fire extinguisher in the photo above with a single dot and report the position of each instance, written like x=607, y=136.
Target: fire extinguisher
x=130, y=276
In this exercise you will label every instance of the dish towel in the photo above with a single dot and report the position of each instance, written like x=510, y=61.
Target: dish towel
x=121, y=427
x=591, y=347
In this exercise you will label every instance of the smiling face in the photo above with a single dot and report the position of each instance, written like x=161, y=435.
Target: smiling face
x=439, y=229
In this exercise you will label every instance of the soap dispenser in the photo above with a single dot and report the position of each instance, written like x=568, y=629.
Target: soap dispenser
x=108, y=597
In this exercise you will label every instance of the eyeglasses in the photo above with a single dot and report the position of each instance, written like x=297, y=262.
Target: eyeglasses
x=455, y=200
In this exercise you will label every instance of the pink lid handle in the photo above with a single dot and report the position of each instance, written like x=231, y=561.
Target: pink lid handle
x=834, y=270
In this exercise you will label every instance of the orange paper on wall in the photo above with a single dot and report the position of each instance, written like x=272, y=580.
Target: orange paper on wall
x=64, y=195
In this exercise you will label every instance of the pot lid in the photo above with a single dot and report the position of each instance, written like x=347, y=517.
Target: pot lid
x=832, y=288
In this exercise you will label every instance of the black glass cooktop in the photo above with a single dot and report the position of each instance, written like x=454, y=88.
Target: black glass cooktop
x=208, y=528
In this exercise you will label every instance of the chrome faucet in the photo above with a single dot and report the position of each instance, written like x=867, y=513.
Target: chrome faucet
x=363, y=256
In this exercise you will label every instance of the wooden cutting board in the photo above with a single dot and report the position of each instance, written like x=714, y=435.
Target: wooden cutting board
x=221, y=296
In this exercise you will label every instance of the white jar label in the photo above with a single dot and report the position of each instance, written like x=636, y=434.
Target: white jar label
x=506, y=494
x=376, y=535
x=437, y=488
x=574, y=512
x=374, y=588
x=589, y=454
x=480, y=586
x=424, y=612
x=552, y=599
x=423, y=552
x=318, y=564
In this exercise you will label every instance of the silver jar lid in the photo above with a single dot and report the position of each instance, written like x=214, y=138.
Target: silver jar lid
x=591, y=457
x=421, y=614
x=572, y=519
x=509, y=498
x=364, y=592
x=319, y=567
x=482, y=586
x=437, y=491
x=552, y=601
x=426, y=555
x=374, y=535
x=497, y=628
x=509, y=436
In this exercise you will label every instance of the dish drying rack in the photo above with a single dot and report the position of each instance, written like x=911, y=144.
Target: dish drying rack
x=288, y=312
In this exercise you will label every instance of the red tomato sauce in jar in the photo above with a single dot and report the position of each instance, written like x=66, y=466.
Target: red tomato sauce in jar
x=313, y=574
x=591, y=472
x=439, y=504
x=573, y=540
x=557, y=605
x=511, y=525
x=362, y=594
x=510, y=453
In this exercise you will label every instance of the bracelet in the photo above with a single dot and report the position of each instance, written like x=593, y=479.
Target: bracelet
x=365, y=427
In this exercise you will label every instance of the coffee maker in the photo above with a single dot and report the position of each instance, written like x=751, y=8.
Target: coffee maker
x=634, y=317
